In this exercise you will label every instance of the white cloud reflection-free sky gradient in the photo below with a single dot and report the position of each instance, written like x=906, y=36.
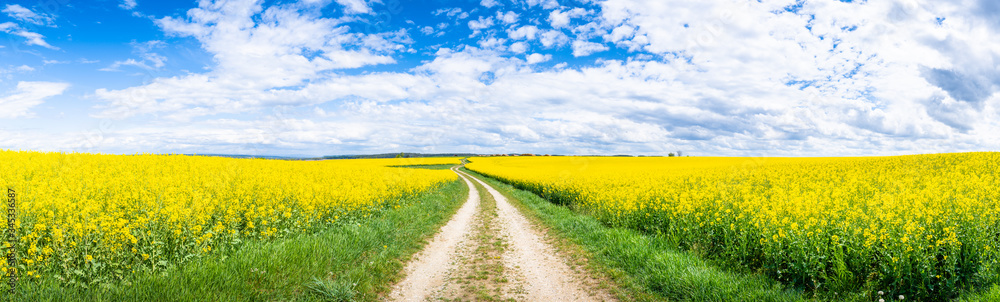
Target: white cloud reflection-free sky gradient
x=320, y=77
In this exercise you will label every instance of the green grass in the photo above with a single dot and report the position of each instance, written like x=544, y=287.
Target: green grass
x=991, y=293
x=644, y=267
x=349, y=261
x=432, y=167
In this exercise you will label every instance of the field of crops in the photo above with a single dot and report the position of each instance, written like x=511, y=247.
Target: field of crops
x=86, y=219
x=925, y=227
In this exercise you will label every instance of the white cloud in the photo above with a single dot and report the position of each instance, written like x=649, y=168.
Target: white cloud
x=450, y=12
x=886, y=78
x=25, y=68
x=26, y=15
x=519, y=47
x=538, y=58
x=492, y=44
x=287, y=49
x=586, y=48
x=34, y=39
x=526, y=32
x=7, y=26
x=888, y=65
x=481, y=23
x=355, y=6
x=128, y=4
x=116, y=66
x=387, y=42
x=559, y=18
x=427, y=30
x=150, y=60
x=489, y=3
x=508, y=17
x=28, y=95
x=620, y=33
x=31, y=38
x=545, y=4
x=552, y=38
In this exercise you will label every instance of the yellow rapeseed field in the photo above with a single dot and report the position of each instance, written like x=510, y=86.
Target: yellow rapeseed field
x=923, y=226
x=88, y=217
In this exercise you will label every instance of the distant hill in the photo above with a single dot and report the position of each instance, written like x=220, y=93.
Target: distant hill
x=245, y=156
x=404, y=155
x=357, y=156
x=394, y=155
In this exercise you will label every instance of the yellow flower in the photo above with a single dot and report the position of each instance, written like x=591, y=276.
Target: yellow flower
x=106, y=206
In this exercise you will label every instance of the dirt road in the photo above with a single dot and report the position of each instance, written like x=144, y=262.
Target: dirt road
x=490, y=251
x=429, y=268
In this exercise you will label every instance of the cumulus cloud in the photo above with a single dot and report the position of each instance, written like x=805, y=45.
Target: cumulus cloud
x=508, y=17
x=553, y=38
x=28, y=95
x=538, y=58
x=519, y=47
x=620, y=33
x=526, y=32
x=481, y=23
x=586, y=48
x=890, y=66
x=287, y=48
x=711, y=77
x=558, y=18
x=427, y=30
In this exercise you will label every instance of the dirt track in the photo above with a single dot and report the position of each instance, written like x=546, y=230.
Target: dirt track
x=429, y=268
x=454, y=266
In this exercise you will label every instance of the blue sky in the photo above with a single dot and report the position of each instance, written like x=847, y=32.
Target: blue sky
x=306, y=78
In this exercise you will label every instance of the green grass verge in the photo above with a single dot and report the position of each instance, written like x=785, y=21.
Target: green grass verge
x=991, y=293
x=349, y=261
x=644, y=267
